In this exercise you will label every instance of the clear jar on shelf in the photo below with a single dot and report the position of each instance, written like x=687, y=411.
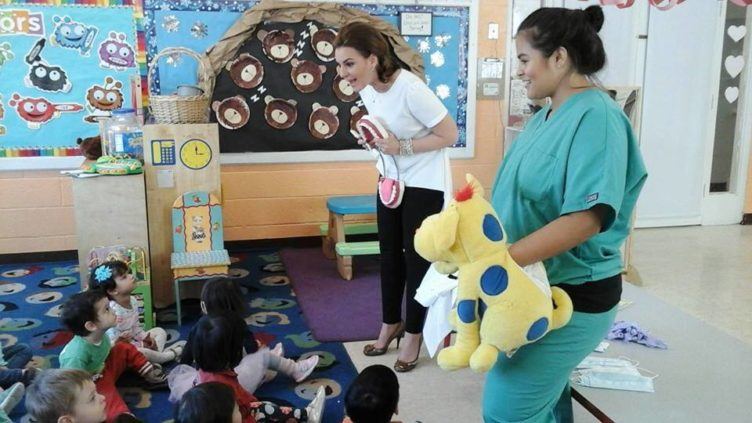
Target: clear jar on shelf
x=123, y=135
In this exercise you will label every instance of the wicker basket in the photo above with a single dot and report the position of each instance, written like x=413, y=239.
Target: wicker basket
x=182, y=109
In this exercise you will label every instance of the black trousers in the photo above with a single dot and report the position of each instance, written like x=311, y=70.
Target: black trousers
x=402, y=269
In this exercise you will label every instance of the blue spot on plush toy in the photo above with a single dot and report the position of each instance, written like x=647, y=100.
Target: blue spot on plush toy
x=499, y=307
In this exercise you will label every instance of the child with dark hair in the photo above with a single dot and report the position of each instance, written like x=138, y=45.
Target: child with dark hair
x=88, y=315
x=373, y=396
x=222, y=295
x=116, y=280
x=217, y=350
x=210, y=402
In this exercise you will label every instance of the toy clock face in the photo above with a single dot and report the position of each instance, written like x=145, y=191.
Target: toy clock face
x=195, y=154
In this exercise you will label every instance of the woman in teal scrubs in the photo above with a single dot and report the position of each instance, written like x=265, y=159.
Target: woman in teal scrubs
x=565, y=193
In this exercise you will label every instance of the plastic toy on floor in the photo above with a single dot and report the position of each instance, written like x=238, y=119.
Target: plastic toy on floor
x=499, y=307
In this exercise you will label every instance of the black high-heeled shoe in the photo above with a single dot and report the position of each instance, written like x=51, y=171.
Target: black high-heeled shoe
x=371, y=350
x=405, y=366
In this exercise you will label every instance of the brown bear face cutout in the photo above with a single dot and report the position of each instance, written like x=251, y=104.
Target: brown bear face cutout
x=280, y=114
x=306, y=75
x=279, y=46
x=343, y=90
x=232, y=113
x=246, y=71
x=322, y=42
x=355, y=114
x=323, y=122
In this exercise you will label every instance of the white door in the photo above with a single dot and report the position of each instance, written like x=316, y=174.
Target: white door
x=730, y=127
x=677, y=101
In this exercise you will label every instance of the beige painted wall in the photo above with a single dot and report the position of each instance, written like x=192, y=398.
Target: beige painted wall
x=260, y=201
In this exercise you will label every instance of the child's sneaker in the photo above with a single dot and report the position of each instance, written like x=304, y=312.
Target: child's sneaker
x=29, y=375
x=304, y=368
x=10, y=397
x=315, y=409
x=177, y=349
x=278, y=350
x=155, y=377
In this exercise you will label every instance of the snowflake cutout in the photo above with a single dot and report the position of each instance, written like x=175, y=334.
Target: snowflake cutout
x=174, y=59
x=424, y=46
x=442, y=92
x=442, y=40
x=171, y=23
x=199, y=30
x=437, y=59
x=5, y=53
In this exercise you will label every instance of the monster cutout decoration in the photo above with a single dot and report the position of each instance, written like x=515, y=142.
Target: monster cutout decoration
x=306, y=75
x=279, y=46
x=42, y=75
x=279, y=113
x=322, y=42
x=115, y=53
x=73, y=35
x=246, y=71
x=232, y=113
x=323, y=122
x=102, y=100
x=343, y=90
x=38, y=111
x=355, y=114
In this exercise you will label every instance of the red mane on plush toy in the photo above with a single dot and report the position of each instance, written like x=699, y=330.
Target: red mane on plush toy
x=464, y=194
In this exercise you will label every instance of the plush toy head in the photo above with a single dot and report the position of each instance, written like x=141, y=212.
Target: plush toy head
x=499, y=307
x=90, y=147
x=466, y=230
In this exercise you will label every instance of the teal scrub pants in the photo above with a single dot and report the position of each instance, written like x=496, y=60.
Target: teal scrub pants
x=528, y=386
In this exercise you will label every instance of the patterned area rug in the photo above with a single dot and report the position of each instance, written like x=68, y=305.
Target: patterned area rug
x=31, y=296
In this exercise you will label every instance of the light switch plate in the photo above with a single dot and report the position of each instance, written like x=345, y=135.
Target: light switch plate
x=493, y=31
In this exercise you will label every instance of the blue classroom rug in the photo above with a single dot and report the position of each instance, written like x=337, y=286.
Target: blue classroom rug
x=31, y=296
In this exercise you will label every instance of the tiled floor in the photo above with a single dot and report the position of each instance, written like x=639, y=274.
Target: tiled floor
x=705, y=271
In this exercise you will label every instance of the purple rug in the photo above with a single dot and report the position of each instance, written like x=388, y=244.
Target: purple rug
x=335, y=309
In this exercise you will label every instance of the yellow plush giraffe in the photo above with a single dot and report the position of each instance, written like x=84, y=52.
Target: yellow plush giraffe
x=499, y=307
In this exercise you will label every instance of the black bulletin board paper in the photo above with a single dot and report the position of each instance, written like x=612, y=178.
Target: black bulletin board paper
x=257, y=135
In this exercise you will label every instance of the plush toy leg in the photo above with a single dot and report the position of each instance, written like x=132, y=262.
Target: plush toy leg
x=563, y=311
x=483, y=358
x=468, y=337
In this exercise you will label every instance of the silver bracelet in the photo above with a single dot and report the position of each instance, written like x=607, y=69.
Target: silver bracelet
x=406, y=147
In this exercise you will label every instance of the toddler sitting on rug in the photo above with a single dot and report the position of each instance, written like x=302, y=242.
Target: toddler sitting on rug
x=217, y=349
x=373, y=396
x=222, y=295
x=88, y=315
x=115, y=279
x=67, y=395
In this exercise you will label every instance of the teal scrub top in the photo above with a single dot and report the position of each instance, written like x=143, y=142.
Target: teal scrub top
x=585, y=154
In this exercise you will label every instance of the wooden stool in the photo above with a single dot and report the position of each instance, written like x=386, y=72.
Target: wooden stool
x=334, y=244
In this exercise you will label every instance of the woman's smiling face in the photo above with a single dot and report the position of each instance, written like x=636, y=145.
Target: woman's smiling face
x=535, y=70
x=357, y=70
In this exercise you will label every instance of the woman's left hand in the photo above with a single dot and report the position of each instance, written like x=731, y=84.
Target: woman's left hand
x=389, y=145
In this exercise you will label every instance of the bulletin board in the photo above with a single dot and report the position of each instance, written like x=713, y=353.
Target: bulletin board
x=61, y=67
x=447, y=55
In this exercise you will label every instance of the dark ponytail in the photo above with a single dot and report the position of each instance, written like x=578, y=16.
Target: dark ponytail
x=576, y=30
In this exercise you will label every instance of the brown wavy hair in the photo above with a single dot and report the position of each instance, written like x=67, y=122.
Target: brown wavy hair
x=367, y=41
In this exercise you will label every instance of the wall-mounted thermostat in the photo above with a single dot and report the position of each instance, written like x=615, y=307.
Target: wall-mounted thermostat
x=490, y=78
